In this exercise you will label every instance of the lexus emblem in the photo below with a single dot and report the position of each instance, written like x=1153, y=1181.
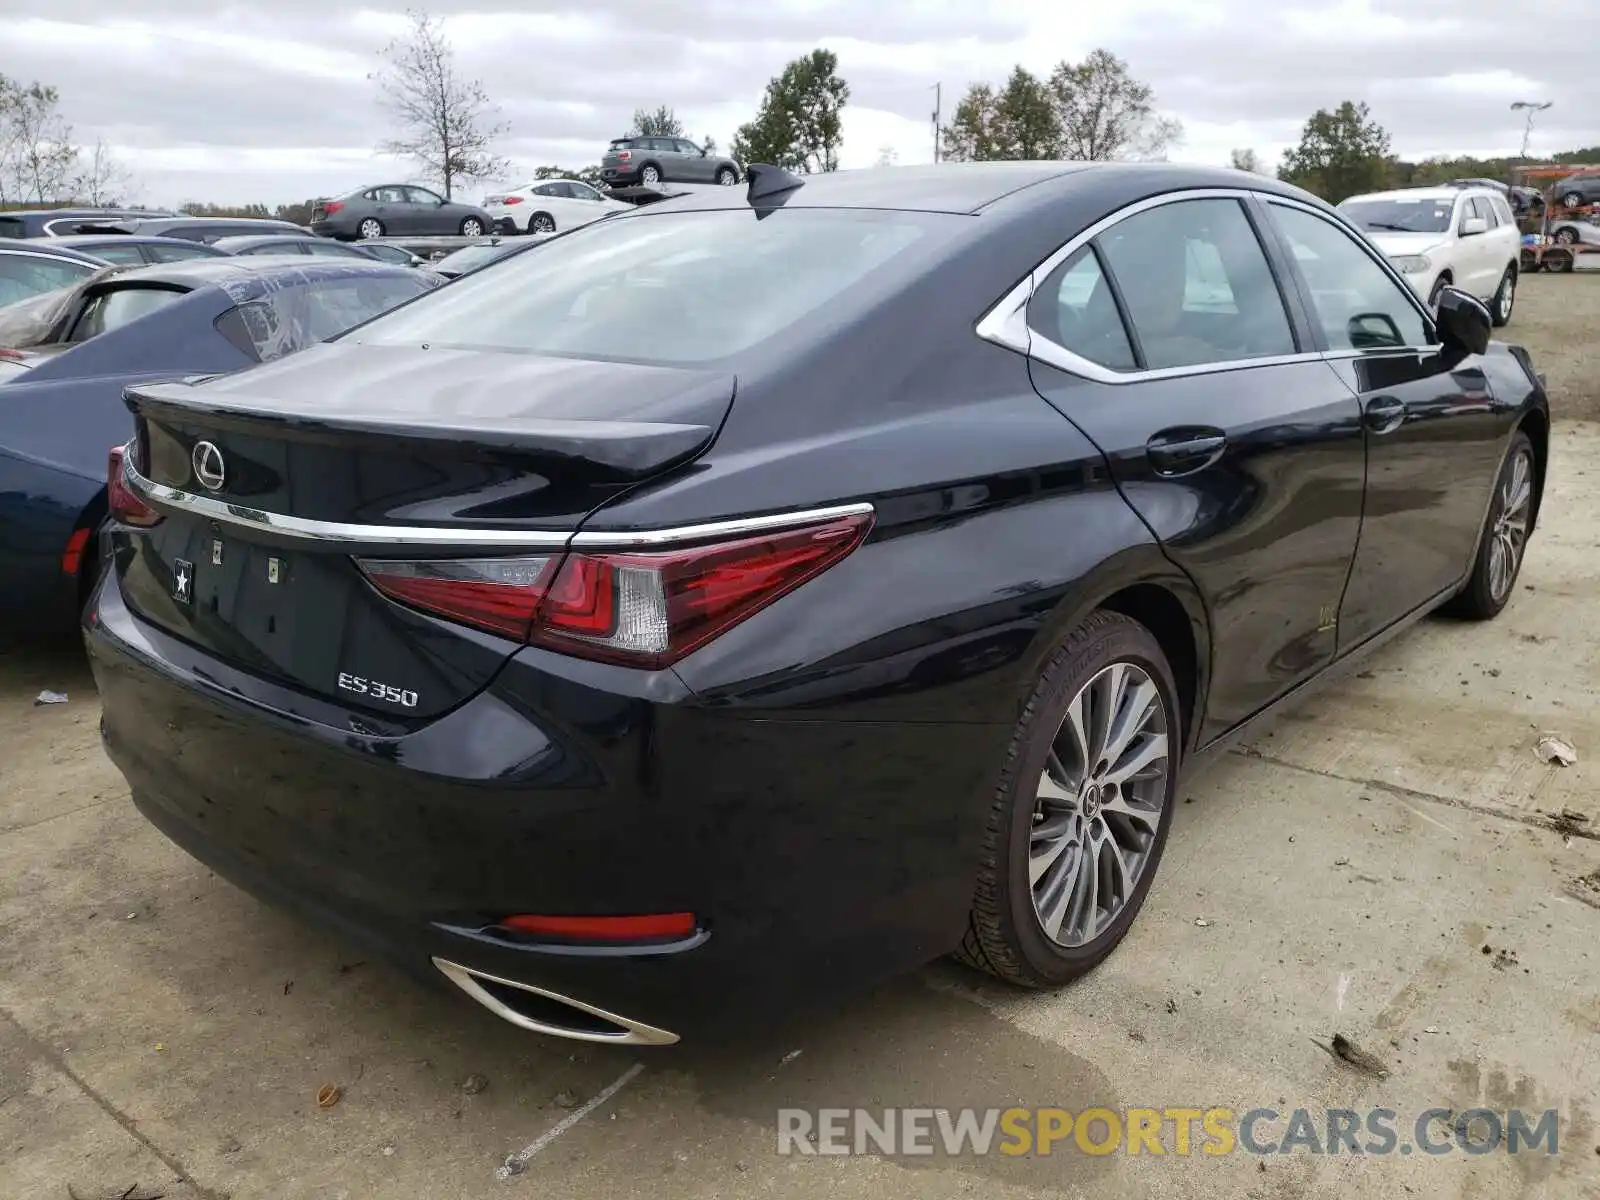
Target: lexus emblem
x=208, y=466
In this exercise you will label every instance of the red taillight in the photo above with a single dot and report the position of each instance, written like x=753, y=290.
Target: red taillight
x=639, y=609
x=511, y=200
x=605, y=929
x=121, y=502
x=13, y=355
x=624, y=155
x=331, y=207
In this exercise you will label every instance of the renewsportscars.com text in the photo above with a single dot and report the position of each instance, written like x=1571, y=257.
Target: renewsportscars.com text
x=1177, y=1131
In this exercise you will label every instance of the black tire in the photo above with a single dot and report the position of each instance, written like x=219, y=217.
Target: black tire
x=1479, y=599
x=1505, y=299
x=1566, y=236
x=541, y=223
x=471, y=227
x=649, y=174
x=727, y=176
x=370, y=227
x=1005, y=935
x=1573, y=200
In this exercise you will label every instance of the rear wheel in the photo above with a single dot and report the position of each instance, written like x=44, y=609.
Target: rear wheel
x=471, y=227
x=1504, y=538
x=1566, y=236
x=1505, y=298
x=650, y=174
x=371, y=227
x=542, y=223
x=1080, y=815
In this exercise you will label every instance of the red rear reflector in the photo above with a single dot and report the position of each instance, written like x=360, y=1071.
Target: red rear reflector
x=121, y=502
x=611, y=929
x=331, y=207
x=72, y=556
x=638, y=609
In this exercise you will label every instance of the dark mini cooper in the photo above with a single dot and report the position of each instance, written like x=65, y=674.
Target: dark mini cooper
x=774, y=589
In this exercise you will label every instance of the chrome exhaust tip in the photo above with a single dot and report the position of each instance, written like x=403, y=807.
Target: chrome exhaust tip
x=543, y=1011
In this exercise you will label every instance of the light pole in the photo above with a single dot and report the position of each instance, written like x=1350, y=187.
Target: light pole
x=938, y=96
x=1530, y=107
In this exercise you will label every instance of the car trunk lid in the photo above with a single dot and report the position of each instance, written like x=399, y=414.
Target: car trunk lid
x=274, y=481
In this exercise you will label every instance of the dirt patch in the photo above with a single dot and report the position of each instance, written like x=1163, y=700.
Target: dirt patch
x=1558, y=319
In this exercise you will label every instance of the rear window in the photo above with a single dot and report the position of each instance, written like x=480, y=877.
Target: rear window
x=114, y=309
x=293, y=318
x=12, y=227
x=674, y=288
x=622, y=144
x=25, y=275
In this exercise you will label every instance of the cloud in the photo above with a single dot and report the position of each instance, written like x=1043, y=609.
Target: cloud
x=234, y=102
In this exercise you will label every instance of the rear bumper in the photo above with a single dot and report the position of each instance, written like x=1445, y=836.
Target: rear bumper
x=818, y=856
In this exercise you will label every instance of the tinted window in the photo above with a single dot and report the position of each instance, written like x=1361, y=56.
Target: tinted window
x=1197, y=285
x=470, y=258
x=1074, y=308
x=114, y=252
x=688, y=147
x=293, y=318
x=181, y=252
x=582, y=191
x=1401, y=216
x=24, y=275
x=545, y=189
x=674, y=288
x=12, y=227
x=1358, y=304
x=1503, y=209
x=114, y=309
x=423, y=196
x=388, y=195
x=331, y=249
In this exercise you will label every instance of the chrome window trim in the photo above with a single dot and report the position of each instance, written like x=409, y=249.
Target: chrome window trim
x=1006, y=322
x=38, y=252
x=339, y=532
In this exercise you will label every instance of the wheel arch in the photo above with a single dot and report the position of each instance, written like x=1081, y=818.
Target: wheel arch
x=1143, y=585
x=1536, y=424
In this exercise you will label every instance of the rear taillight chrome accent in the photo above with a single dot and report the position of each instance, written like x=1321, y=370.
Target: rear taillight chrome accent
x=636, y=608
x=121, y=502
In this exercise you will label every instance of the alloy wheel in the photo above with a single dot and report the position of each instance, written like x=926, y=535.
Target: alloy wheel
x=1508, y=296
x=1099, y=804
x=472, y=227
x=371, y=228
x=650, y=175
x=543, y=224
x=1510, y=533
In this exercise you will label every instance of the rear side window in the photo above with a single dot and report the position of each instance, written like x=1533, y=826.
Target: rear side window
x=1197, y=285
x=293, y=318
x=114, y=252
x=180, y=252
x=687, y=287
x=25, y=275
x=1075, y=309
x=12, y=227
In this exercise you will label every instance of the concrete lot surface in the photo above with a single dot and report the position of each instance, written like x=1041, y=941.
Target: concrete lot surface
x=1392, y=863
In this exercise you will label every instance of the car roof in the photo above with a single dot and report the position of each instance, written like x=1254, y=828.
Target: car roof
x=47, y=248
x=1424, y=193
x=969, y=187
x=258, y=274
x=152, y=225
x=107, y=239
x=240, y=241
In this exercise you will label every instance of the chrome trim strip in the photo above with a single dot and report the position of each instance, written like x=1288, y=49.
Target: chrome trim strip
x=305, y=529
x=1006, y=323
x=629, y=1032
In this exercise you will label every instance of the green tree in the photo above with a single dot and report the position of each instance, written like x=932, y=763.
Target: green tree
x=446, y=123
x=1103, y=112
x=798, y=124
x=658, y=122
x=1019, y=122
x=1341, y=154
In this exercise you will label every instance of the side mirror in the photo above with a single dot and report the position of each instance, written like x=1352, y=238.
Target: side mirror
x=1373, y=330
x=1473, y=226
x=1464, y=323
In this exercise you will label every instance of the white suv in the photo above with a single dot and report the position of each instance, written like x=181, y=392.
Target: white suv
x=1465, y=236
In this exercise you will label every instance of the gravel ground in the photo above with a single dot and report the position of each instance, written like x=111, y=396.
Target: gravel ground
x=1558, y=319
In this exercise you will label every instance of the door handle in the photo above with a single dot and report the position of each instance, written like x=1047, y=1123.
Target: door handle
x=1385, y=414
x=1184, y=451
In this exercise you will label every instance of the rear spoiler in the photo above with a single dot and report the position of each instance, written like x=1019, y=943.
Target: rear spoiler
x=630, y=449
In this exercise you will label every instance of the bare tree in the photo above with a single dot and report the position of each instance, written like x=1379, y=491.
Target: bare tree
x=103, y=181
x=447, y=124
x=1105, y=113
x=37, y=156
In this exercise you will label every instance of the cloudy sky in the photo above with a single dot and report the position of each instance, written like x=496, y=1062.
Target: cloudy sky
x=218, y=100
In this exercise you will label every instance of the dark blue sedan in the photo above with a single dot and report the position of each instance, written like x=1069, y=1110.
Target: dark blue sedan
x=66, y=356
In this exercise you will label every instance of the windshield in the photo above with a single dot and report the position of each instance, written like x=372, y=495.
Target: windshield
x=458, y=262
x=1401, y=216
x=673, y=288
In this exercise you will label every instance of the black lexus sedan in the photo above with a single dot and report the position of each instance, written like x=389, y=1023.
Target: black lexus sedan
x=774, y=589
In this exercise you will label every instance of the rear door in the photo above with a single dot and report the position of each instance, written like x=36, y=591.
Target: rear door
x=1433, y=427
x=1170, y=342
